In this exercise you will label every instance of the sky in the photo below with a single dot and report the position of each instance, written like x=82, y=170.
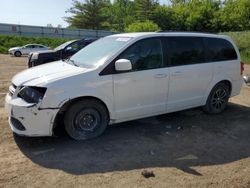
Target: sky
x=36, y=12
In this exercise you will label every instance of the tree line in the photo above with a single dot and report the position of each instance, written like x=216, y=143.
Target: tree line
x=150, y=15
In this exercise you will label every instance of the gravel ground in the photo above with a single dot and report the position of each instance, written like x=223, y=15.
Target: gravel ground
x=183, y=149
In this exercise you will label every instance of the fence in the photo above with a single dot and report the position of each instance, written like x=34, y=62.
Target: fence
x=36, y=31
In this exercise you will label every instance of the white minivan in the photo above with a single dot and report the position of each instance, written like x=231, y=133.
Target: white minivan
x=125, y=77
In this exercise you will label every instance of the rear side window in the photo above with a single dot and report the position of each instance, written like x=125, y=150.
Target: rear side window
x=219, y=49
x=81, y=44
x=29, y=46
x=185, y=50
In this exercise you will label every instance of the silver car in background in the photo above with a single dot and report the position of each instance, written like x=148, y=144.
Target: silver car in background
x=25, y=50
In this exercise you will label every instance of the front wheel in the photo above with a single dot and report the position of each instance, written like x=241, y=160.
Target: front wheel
x=86, y=119
x=217, y=99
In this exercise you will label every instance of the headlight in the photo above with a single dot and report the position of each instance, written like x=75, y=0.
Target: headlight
x=34, y=56
x=32, y=94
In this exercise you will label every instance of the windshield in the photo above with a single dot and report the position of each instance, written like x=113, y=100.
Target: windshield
x=99, y=50
x=63, y=45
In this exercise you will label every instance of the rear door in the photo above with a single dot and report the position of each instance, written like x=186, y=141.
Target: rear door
x=27, y=49
x=190, y=74
x=37, y=48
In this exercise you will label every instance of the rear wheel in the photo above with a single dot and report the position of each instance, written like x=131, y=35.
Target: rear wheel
x=17, y=53
x=217, y=99
x=86, y=119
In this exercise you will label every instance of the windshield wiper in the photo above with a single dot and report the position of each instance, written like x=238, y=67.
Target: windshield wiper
x=65, y=60
x=72, y=62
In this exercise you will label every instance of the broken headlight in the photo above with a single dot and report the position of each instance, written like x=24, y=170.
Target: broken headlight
x=32, y=94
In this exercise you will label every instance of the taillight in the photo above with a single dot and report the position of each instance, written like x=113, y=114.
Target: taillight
x=241, y=68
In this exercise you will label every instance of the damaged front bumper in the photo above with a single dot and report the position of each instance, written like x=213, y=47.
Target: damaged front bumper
x=28, y=119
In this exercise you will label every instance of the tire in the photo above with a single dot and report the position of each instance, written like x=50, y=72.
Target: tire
x=86, y=119
x=218, y=99
x=18, y=54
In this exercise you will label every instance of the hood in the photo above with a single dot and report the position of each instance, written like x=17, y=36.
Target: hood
x=42, y=53
x=43, y=74
x=14, y=48
x=45, y=51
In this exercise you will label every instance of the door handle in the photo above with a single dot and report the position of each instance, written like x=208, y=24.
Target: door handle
x=160, y=75
x=177, y=73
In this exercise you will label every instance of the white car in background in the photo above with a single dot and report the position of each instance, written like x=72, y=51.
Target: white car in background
x=25, y=50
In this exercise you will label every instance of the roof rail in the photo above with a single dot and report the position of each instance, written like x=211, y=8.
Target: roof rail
x=169, y=31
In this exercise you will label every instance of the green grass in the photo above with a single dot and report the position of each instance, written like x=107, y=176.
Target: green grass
x=242, y=40
x=7, y=42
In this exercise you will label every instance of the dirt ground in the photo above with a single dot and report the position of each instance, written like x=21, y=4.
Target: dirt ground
x=184, y=149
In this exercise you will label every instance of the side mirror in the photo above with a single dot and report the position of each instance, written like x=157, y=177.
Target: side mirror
x=123, y=65
x=68, y=48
